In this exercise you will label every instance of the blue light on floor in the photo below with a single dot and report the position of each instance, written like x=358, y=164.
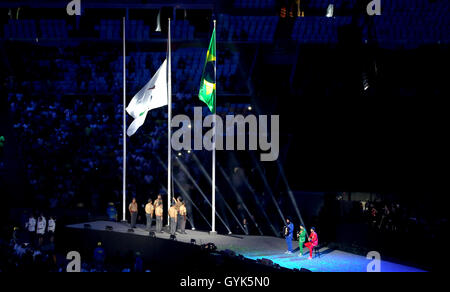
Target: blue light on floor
x=334, y=261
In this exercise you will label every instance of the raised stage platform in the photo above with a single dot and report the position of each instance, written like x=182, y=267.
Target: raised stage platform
x=252, y=247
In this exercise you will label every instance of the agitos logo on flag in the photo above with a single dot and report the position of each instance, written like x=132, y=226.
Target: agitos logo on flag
x=207, y=92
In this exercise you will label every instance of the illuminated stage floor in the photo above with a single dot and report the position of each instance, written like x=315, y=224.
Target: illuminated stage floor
x=257, y=247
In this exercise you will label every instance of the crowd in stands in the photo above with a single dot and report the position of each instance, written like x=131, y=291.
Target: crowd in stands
x=384, y=216
x=20, y=254
x=32, y=245
x=66, y=104
x=247, y=28
x=401, y=23
x=387, y=217
x=68, y=117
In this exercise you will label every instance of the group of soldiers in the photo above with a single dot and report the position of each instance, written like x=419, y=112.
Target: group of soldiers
x=177, y=214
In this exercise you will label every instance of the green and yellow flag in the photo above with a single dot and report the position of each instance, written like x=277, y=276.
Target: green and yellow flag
x=207, y=92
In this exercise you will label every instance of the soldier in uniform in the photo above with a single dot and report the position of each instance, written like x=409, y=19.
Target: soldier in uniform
x=182, y=217
x=158, y=201
x=133, y=208
x=173, y=213
x=159, y=216
x=178, y=203
x=149, y=209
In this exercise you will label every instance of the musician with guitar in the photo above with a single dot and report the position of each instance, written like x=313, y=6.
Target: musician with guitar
x=313, y=242
x=301, y=239
x=288, y=234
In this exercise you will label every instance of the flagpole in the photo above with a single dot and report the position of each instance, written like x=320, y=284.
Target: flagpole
x=169, y=116
x=213, y=201
x=124, y=124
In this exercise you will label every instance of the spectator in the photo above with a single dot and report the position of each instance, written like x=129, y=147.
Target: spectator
x=40, y=230
x=99, y=256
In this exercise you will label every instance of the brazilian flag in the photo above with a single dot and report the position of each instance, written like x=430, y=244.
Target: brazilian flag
x=207, y=92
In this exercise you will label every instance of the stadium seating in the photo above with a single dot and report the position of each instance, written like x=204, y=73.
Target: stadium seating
x=182, y=30
x=317, y=29
x=247, y=28
x=20, y=29
x=110, y=29
x=261, y=4
x=53, y=29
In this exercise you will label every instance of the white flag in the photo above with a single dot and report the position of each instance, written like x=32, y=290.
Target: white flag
x=153, y=95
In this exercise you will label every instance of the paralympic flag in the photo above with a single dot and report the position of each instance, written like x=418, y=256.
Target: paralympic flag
x=153, y=95
x=207, y=92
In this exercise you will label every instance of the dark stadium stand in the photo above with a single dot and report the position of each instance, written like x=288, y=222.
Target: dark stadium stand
x=62, y=80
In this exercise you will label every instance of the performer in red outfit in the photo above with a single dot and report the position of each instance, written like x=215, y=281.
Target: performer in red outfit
x=313, y=242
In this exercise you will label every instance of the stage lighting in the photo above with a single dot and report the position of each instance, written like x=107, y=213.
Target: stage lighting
x=179, y=153
x=249, y=108
x=209, y=246
x=193, y=241
x=193, y=228
x=108, y=227
x=173, y=237
x=87, y=226
x=152, y=234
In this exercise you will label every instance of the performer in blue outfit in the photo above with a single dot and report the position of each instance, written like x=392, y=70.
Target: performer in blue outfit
x=289, y=234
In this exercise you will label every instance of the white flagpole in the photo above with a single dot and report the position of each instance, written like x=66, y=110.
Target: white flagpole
x=213, y=201
x=124, y=124
x=169, y=116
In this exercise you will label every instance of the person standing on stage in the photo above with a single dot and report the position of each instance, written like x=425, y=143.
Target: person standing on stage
x=31, y=227
x=182, y=217
x=158, y=201
x=51, y=228
x=40, y=230
x=173, y=214
x=245, y=225
x=178, y=203
x=159, y=214
x=133, y=208
x=313, y=242
x=99, y=256
x=149, y=209
x=301, y=239
x=289, y=234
